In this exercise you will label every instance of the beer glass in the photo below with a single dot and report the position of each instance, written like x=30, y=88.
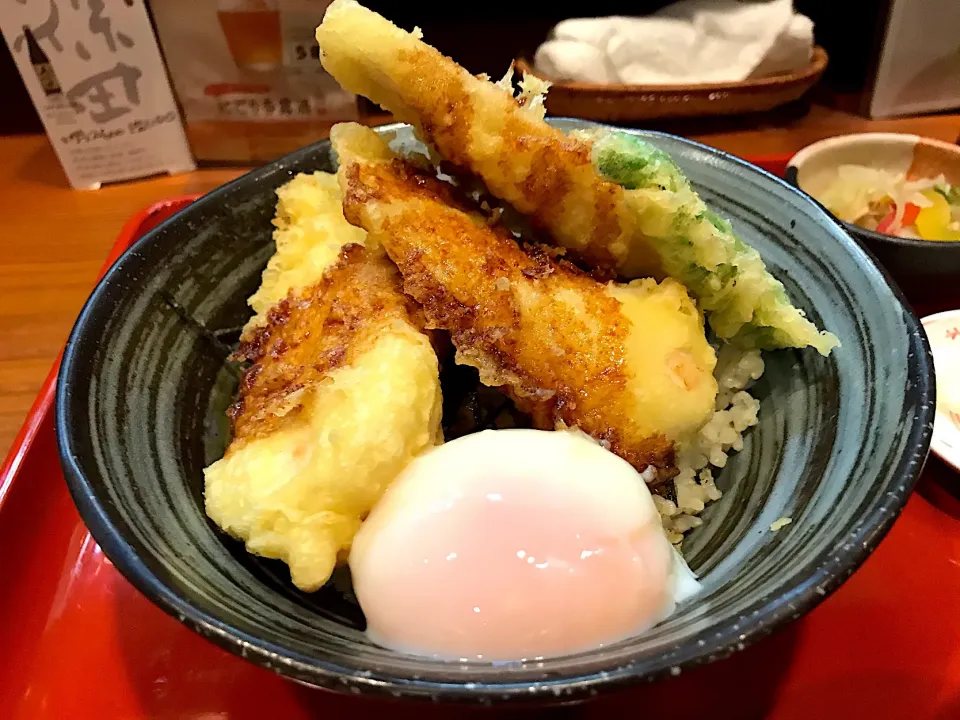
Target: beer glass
x=252, y=31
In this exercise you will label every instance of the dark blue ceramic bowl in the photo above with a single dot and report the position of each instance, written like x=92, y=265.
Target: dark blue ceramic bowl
x=144, y=387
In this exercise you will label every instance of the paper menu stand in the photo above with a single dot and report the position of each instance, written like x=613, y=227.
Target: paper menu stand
x=94, y=73
x=248, y=76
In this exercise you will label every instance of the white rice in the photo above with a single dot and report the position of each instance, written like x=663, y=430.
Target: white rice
x=780, y=523
x=709, y=448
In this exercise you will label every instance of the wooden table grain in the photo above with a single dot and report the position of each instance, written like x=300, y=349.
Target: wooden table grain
x=54, y=239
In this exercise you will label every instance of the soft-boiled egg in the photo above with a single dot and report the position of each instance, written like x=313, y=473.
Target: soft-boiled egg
x=515, y=544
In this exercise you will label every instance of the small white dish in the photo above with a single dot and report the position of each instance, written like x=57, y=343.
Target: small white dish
x=943, y=331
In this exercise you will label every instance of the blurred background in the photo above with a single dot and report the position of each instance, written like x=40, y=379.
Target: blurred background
x=246, y=78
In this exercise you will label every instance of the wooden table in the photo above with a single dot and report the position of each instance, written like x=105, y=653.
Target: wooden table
x=55, y=239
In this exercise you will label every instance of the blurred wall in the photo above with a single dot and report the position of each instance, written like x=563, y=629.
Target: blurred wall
x=853, y=52
x=486, y=36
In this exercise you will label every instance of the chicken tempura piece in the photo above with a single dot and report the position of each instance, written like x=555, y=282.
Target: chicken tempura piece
x=627, y=364
x=342, y=393
x=480, y=127
x=559, y=181
x=310, y=232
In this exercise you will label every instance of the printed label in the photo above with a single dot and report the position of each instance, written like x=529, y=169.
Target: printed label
x=95, y=75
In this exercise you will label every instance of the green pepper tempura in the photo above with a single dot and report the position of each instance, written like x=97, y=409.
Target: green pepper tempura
x=743, y=302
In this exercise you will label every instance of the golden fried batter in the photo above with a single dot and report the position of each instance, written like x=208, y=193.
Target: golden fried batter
x=480, y=127
x=309, y=232
x=342, y=393
x=616, y=202
x=563, y=344
x=310, y=334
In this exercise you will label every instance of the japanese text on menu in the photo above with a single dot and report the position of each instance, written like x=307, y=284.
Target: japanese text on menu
x=105, y=94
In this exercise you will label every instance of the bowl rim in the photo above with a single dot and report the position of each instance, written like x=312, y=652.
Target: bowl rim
x=804, y=154
x=709, y=645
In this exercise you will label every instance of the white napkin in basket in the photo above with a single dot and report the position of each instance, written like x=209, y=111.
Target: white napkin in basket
x=693, y=41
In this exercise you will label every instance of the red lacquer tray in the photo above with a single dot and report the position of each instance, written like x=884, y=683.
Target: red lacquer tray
x=77, y=641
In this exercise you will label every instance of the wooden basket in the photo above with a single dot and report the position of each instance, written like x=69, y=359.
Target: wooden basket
x=626, y=103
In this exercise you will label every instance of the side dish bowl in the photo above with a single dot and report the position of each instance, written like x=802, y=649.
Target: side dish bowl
x=145, y=384
x=907, y=260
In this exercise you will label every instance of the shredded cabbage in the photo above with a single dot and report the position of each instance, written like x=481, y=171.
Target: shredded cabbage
x=865, y=196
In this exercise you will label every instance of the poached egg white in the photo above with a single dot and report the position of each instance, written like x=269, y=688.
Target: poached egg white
x=514, y=544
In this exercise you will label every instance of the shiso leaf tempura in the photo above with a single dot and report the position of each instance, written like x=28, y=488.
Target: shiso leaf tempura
x=613, y=201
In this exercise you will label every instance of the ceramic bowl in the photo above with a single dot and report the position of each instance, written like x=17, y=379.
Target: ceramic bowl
x=144, y=387
x=911, y=262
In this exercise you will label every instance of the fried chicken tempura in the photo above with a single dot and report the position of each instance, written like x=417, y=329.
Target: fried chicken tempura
x=560, y=182
x=342, y=393
x=627, y=364
x=480, y=127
